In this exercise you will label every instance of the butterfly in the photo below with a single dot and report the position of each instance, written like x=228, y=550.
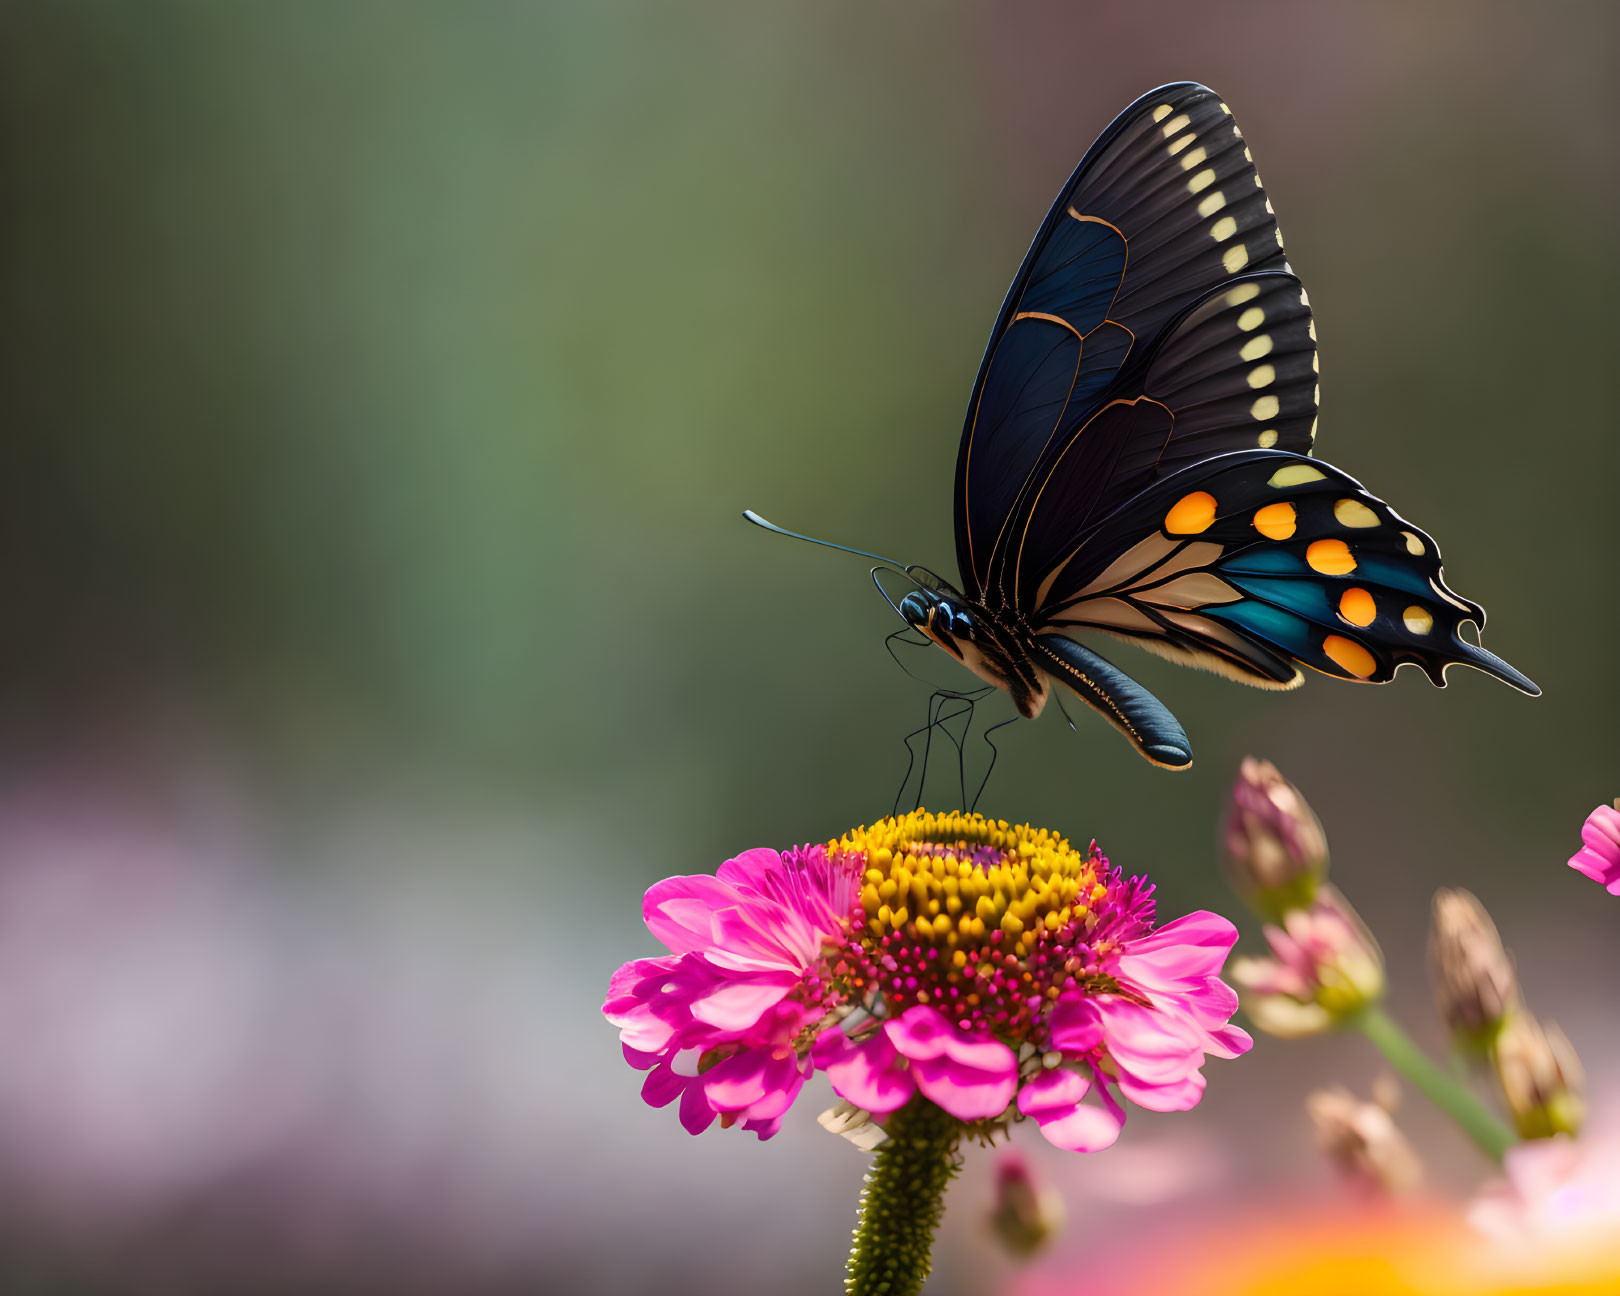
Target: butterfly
x=1136, y=460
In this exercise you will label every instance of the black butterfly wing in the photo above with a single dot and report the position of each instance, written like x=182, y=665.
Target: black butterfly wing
x=1252, y=562
x=1237, y=371
x=1164, y=207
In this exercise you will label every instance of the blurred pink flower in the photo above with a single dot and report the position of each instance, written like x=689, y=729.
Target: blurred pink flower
x=1557, y=1199
x=1599, y=857
x=1324, y=966
x=1028, y=1211
x=1030, y=971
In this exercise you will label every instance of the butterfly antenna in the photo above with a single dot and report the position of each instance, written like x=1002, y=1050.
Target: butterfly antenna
x=794, y=535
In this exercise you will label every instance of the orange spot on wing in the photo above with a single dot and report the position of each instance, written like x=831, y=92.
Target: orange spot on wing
x=1330, y=557
x=1275, y=521
x=1357, y=607
x=1350, y=655
x=1191, y=514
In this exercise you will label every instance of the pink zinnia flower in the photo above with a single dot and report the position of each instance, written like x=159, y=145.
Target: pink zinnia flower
x=995, y=970
x=1599, y=857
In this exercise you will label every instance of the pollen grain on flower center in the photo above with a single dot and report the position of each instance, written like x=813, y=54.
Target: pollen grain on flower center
x=984, y=921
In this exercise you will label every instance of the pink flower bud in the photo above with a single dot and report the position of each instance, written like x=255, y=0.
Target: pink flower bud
x=1324, y=967
x=1028, y=1211
x=1272, y=843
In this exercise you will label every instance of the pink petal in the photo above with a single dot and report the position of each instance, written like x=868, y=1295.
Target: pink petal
x=1192, y=946
x=968, y=1093
x=1052, y=1099
x=756, y=1083
x=920, y=1032
x=738, y=1005
x=1229, y=1042
x=751, y=869
x=1602, y=829
x=1085, y=1129
x=871, y=1074
x=1076, y=1026
x=679, y=911
x=765, y=1129
x=702, y=915
x=1181, y=1095
x=1053, y=1092
x=762, y=935
x=676, y=1079
x=972, y=1076
x=1594, y=864
x=1154, y=1047
x=695, y=1113
x=639, y=1060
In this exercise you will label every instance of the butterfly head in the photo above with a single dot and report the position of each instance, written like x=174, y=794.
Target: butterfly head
x=940, y=618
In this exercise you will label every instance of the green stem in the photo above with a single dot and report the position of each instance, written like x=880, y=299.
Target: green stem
x=903, y=1201
x=1490, y=1135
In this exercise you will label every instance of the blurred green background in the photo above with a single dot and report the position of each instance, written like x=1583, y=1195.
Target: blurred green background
x=382, y=384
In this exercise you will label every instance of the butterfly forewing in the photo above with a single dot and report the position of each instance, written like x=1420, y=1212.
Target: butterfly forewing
x=1163, y=209
x=1238, y=371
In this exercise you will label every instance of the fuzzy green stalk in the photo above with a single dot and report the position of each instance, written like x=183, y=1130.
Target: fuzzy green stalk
x=903, y=1201
x=1490, y=1135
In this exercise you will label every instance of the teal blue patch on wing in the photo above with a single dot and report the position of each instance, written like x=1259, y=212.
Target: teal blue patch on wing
x=1266, y=561
x=1393, y=574
x=1308, y=598
x=1289, y=632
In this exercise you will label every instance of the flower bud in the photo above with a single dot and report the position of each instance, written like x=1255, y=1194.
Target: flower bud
x=1541, y=1077
x=1474, y=984
x=1324, y=967
x=1028, y=1211
x=1273, y=846
x=1363, y=1142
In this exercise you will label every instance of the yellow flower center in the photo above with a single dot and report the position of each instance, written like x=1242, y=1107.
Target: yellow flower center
x=984, y=920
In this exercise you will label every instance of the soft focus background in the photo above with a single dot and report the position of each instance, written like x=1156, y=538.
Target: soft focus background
x=381, y=384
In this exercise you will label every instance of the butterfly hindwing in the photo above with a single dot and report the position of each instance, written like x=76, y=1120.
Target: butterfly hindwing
x=1164, y=208
x=1249, y=562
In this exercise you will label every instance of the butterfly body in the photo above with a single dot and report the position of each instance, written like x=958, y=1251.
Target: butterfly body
x=997, y=651
x=1136, y=458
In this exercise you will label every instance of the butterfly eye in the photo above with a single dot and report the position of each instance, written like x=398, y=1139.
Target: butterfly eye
x=916, y=609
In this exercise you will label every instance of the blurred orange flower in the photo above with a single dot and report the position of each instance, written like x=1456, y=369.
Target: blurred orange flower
x=1335, y=1249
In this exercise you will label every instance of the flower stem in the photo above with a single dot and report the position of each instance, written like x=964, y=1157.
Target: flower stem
x=903, y=1201
x=1490, y=1135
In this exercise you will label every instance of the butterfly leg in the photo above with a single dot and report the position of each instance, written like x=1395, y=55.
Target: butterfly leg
x=994, y=753
x=901, y=635
x=938, y=718
x=942, y=721
x=934, y=699
x=969, y=705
